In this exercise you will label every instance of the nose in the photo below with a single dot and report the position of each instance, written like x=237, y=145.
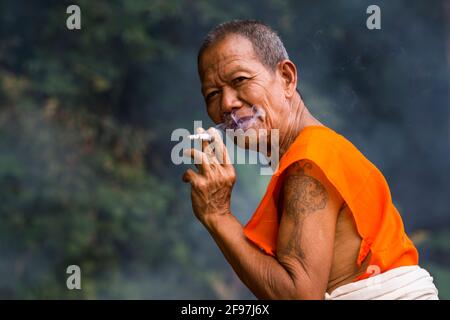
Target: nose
x=230, y=100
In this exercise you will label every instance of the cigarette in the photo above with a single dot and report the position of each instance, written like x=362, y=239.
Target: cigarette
x=201, y=136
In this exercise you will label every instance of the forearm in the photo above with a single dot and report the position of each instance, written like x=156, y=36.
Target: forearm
x=261, y=273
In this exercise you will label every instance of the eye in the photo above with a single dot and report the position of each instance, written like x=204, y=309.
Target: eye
x=211, y=94
x=239, y=80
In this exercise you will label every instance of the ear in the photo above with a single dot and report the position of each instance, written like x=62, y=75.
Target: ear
x=288, y=73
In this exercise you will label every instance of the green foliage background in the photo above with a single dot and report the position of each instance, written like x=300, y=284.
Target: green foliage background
x=86, y=118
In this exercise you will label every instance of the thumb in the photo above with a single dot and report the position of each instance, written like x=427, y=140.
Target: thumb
x=189, y=175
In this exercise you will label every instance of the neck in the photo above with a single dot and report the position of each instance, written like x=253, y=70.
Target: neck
x=297, y=119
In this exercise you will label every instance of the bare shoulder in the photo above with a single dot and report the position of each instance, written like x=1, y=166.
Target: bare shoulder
x=306, y=182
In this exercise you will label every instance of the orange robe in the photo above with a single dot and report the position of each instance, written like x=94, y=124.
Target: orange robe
x=362, y=187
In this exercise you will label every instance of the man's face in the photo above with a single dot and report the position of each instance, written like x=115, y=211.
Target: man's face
x=233, y=80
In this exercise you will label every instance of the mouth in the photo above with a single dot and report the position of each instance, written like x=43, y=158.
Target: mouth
x=245, y=122
x=234, y=122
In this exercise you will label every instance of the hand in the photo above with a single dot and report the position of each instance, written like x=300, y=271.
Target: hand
x=213, y=183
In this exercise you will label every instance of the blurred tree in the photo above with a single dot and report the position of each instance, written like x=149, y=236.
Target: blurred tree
x=86, y=117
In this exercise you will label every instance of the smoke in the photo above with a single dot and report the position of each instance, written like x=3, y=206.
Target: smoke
x=246, y=119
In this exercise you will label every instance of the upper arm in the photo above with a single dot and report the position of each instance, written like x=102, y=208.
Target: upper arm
x=310, y=206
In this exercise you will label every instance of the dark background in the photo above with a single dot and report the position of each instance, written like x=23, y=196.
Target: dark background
x=86, y=117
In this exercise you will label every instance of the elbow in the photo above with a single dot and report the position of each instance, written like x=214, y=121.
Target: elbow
x=310, y=295
x=293, y=295
x=293, y=289
x=305, y=285
x=306, y=291
x=304, y=288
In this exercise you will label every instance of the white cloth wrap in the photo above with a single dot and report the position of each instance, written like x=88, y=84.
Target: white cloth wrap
x=402, y=283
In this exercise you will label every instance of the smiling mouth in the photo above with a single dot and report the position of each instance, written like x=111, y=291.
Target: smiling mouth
x=241, y=123
x=244, y=120
x=234, y=122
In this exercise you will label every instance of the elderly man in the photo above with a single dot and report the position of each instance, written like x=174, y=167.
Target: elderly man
x=326, y=227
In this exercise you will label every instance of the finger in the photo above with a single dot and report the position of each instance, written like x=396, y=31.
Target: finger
x=189, y=176
x=210, y=153
x=220, y=149
x=204, y=142
x=201, y=160
x=207, y=146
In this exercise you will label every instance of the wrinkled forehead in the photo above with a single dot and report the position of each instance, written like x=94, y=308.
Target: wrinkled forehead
x=231, y=53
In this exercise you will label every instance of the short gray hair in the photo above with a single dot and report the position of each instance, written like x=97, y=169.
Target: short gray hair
x=266, y=43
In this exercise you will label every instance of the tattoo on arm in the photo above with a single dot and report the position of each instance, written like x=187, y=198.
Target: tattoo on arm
x=303, y=195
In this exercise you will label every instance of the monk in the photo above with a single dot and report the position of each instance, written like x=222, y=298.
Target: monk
x=326, y=227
